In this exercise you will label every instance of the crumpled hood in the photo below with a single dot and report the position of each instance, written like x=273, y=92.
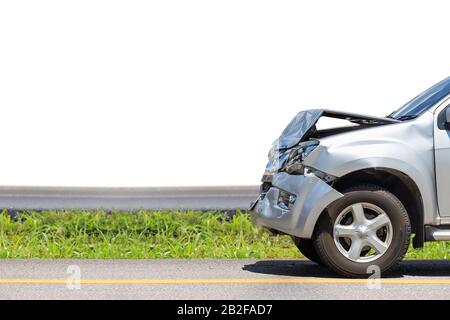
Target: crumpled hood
x=297, y=128
x=303, y=123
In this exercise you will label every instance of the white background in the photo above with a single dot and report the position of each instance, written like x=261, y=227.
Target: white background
x=155, y=93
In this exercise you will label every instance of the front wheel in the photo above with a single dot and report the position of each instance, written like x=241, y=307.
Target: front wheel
x=368, y=227
x=306, y=247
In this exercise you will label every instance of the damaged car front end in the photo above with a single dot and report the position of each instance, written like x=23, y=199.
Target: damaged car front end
x=293, y=195
x=353, y=196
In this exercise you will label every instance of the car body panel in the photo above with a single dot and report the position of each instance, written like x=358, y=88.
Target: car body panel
x=406, y=147
x=442, y=156
x=312, y=197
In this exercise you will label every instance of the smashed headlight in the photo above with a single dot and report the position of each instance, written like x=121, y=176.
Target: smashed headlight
x=294, y=162
x=288, y=160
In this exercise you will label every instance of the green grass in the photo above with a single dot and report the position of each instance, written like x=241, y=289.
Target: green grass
x=74, y=234
x=152, y=235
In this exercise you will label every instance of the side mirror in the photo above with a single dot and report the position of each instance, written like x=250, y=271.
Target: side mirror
x=447, y=119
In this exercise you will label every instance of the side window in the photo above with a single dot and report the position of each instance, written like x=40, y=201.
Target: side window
x=443, y=120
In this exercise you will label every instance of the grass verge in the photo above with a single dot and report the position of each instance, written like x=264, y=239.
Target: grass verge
x=150, y=235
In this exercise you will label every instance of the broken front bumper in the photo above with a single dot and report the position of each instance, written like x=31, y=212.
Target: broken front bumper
x=297, y=214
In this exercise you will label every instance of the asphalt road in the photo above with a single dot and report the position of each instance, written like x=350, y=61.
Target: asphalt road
x=212, y=279
x=155, y=198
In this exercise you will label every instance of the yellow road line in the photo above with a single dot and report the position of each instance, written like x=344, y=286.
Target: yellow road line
x=224, y=281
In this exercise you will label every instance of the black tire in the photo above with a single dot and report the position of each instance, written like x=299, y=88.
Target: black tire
x=327, y=249
x=306, y=247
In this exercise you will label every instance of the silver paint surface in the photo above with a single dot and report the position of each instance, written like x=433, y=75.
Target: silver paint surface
x=407, y=147
x=442, y=155
x=313, y=196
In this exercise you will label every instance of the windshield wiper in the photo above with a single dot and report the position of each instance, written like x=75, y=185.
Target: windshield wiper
x=407, y=117
x=390, y=116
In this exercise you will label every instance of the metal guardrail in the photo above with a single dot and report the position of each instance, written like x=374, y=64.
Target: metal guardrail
x=151, y=198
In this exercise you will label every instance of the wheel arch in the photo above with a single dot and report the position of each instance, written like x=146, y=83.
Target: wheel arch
x=399, y=184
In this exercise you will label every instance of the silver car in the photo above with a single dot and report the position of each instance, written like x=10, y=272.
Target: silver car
x=351, y=197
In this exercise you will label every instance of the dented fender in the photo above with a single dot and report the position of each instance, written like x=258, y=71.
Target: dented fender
x=407, y=147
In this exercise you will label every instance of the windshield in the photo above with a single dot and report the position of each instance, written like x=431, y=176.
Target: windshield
x=423, y=101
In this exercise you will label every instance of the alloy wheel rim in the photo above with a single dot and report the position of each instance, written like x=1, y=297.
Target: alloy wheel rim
x=363, y=232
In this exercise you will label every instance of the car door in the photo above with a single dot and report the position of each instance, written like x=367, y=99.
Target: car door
x=442, y=158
